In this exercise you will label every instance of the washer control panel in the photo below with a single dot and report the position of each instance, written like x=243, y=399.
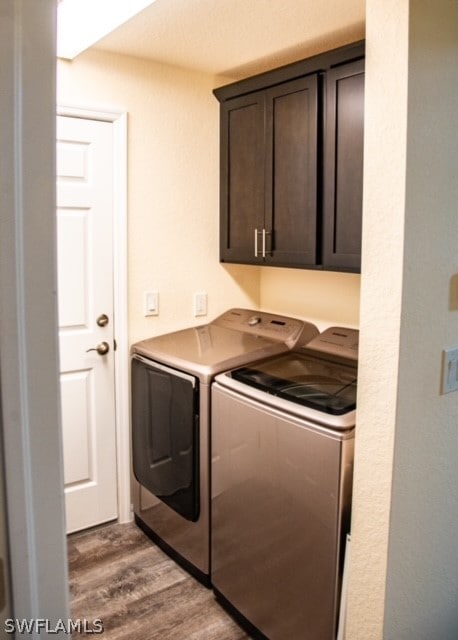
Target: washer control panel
x=337, y=341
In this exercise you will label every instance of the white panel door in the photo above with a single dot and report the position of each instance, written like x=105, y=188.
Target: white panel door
x=85, y=293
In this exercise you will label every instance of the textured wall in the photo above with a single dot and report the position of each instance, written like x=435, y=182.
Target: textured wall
x=380, y=319
x=404, y=569
x=422, y=577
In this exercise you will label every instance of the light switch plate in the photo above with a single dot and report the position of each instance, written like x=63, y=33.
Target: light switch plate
x=151, y=303
x=450, y=370
x=200, y=304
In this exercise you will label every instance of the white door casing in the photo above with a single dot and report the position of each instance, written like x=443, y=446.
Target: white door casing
x=28, y=319
x=85, y=287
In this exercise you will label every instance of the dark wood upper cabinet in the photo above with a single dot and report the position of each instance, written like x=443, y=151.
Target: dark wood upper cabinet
x=291, y=173
x=291, y=164
x=269, y=175
x=343, y=166
x=242, y=177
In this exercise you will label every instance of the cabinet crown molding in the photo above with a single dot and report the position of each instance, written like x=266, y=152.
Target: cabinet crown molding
x=320, y=62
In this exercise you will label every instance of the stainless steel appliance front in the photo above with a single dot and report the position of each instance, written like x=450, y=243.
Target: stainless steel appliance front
x=281, y=490
x=171, y=379
x=186, y=539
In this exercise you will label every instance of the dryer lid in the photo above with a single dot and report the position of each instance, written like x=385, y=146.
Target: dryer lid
x=233, y=339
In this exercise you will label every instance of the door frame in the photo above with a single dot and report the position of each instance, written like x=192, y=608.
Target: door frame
x=120, y=309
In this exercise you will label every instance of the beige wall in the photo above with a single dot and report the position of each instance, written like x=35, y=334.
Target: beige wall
x=404, y=569
x=381, y=293
x=324, y=297
x=173, y=184
x=422, y=580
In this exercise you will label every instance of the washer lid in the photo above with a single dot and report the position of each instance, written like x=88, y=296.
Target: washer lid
x=323, y=385
x=317, y=381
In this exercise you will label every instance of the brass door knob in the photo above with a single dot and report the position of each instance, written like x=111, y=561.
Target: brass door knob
x=103, y=320
x=102, y=348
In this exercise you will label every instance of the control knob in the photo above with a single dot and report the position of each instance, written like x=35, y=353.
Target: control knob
x=254, y=320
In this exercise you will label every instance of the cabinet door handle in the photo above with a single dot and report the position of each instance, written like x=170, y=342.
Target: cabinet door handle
x=263, y=245
x=264, y=250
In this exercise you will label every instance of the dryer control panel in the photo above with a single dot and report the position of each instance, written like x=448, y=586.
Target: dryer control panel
x=268, y=325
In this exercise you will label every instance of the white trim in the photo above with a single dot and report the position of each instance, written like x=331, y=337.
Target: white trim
x=119, y=121
x=28, y=313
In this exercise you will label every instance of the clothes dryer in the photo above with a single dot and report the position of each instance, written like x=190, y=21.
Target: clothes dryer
x=171, y=404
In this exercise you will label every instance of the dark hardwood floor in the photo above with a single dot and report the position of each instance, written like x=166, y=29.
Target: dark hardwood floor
x=119, y=576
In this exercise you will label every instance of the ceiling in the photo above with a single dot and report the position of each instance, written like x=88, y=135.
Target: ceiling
x=237, y=38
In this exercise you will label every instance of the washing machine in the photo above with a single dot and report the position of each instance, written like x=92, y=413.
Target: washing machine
x=171, y=378
x=282, y=461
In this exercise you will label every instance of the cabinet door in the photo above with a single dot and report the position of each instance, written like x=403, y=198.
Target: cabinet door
x=242, y=178
x=343, y=166
x=291, y=172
